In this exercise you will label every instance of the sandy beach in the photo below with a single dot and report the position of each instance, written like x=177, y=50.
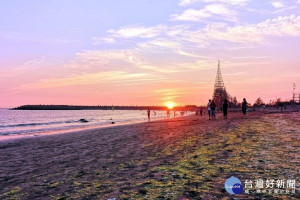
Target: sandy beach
x=186, y=157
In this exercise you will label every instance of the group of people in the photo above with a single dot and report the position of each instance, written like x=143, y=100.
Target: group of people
x=168, y=113
x=211, y=108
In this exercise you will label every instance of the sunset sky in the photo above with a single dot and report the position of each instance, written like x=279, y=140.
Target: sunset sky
x=146, y=52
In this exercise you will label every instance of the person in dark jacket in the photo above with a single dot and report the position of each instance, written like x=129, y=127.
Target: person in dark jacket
x=213, y=109
x=225, y=108
x=244, y=106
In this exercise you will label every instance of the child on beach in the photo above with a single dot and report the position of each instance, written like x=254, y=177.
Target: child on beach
x=208, y=109
x=225, y=108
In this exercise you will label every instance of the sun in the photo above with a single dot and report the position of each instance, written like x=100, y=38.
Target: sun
x=170, y=104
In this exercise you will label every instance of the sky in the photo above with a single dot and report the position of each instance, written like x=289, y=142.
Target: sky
x=147, y=52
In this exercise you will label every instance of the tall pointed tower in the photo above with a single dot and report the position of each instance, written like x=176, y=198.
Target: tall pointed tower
x=220, y=92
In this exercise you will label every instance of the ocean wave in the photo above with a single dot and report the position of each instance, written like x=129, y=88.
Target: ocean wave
x=38, y=124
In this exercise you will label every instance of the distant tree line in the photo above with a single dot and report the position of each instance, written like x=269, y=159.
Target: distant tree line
x=277, y=103
x=259, y=103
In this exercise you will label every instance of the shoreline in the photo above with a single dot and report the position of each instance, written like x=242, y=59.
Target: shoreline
x=7, y=138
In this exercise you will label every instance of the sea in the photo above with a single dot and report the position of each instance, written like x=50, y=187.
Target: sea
x=22, y=122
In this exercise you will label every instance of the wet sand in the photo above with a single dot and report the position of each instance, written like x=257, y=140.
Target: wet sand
x=188, y=157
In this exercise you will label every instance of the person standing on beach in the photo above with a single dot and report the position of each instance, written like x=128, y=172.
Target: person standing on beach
x=244, y=106
x=213, y=109
x=148, y=112
x=225, y=108
x=208, y=109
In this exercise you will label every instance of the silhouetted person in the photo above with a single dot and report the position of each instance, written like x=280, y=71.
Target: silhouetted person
x=148, y=112
x=244, y=106
x=213, y=109
x=225, y=108
x=168, y=113
x=208, y=109
x=201, y=111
